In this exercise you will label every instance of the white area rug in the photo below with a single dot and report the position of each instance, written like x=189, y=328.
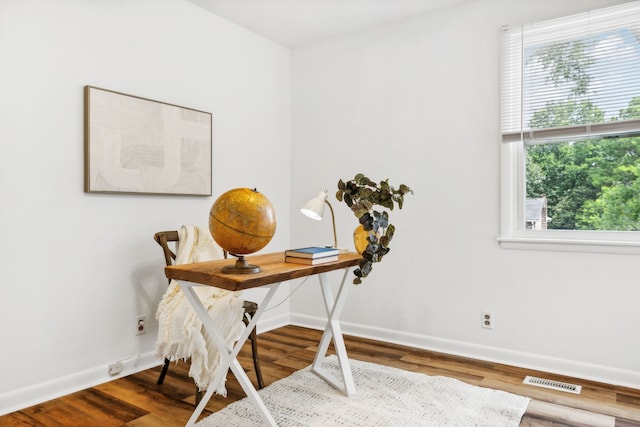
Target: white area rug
x=385, y=397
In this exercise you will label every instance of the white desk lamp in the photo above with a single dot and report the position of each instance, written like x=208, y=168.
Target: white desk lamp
x=314, y=209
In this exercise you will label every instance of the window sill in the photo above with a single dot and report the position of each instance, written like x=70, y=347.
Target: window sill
x=571, y=245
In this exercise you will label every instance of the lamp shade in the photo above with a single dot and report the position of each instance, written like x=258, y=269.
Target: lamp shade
x=314, y=208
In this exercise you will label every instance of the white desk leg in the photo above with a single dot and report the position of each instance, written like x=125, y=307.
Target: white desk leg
x=334, y=331
x=229, y=355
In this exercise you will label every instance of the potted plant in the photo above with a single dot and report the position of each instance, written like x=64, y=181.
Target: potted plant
x=374, y=233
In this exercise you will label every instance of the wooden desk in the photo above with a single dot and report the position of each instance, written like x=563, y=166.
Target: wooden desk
x=272, y=266
x=273, y=272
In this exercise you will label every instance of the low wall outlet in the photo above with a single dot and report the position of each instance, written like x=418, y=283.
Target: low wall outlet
x=115, y=369
x=141, y=325
x=487, y=320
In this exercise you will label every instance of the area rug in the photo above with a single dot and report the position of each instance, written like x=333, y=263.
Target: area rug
x=385, y=396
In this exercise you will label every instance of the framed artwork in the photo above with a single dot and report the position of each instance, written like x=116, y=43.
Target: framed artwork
x=139, y=146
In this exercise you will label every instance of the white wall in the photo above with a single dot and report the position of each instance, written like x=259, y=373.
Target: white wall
x=418, y=102
x=77, y=268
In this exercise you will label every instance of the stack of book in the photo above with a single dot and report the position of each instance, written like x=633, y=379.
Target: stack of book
x=312, y=255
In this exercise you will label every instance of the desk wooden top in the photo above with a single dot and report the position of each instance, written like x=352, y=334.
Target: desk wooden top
x=273, y=269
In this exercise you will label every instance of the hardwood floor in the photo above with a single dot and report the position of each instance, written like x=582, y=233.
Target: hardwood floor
x=137, y=400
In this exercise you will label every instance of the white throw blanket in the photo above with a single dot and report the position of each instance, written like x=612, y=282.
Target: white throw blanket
x=180, y=331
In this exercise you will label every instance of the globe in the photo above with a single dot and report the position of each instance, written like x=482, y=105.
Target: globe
x=242, y=221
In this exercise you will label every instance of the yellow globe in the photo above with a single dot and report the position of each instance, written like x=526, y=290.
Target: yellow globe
x=242, y=221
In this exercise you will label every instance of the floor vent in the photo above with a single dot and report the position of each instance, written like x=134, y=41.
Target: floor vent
x=553, y=385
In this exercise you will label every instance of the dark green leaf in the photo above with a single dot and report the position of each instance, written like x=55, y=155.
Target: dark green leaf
x=404, y=189
x=391, y=229
x=372, y=248
x=365, y=269
x=348, y=200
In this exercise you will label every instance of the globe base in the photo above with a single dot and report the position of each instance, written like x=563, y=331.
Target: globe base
x=241, y=266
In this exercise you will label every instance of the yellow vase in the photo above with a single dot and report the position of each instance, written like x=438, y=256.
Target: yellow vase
x=360, y=239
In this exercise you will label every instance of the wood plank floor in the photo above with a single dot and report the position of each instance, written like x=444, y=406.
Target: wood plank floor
x=137, y=400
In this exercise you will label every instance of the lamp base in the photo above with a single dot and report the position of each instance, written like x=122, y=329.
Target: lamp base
x=241, y=266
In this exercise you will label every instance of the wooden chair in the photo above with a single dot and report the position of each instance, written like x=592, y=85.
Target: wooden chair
x=163, y=238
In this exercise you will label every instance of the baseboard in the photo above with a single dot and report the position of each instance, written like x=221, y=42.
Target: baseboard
x=600, y=373
x=266, y=323
x=42, y=392
x=58, y=387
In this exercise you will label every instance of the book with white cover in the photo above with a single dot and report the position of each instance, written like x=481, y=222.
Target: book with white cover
x=312, y=252
x=311, y=261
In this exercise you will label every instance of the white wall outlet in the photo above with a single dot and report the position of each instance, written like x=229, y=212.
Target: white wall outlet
x=115, y=369
x=141, y=324
x=487, y=320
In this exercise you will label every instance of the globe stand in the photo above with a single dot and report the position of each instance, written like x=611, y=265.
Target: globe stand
x=241, y=267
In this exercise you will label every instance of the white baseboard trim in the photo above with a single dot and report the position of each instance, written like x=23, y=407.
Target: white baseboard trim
x=601, y=373
x=28, y=396
x=266, y=324
x=38, y=393
x=52, y=389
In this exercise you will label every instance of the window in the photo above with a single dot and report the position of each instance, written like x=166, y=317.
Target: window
x=571, y=132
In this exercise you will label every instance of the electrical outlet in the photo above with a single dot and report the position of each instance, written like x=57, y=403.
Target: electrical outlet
x=141, y=324
x=115, y=369
x=487, y=320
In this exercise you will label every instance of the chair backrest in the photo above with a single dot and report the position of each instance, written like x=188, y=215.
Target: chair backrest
x=163, y=238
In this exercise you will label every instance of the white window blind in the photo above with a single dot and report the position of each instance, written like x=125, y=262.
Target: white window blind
x=600, y=72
